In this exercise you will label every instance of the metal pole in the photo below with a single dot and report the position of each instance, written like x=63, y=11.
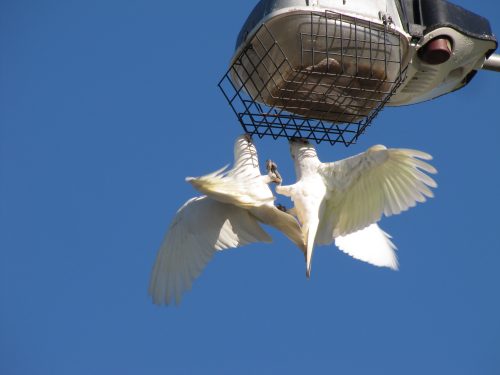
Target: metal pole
x=493, y=63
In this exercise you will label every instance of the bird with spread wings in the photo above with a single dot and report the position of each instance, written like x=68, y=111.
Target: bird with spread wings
x=338, y=199
x=228, y=215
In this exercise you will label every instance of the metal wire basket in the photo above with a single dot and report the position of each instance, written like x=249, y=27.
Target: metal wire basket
x=324, y=82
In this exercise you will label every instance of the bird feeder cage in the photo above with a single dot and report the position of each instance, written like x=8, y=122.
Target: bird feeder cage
x=322, y=70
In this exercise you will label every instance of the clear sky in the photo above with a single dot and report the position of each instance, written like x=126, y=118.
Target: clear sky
x=105, y=107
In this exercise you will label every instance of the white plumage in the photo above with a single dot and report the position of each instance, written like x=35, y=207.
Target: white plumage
x=339, y=201
x=371, y=245
x=226, y=217
x=201, y=227
x=343, y=198
x=245, y=187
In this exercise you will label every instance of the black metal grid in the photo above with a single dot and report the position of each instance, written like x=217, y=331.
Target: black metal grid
x=332, y=94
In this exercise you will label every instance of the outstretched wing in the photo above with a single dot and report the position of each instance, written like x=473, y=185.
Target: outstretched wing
x=379, y=181
x=371, y=245
x=201, y=227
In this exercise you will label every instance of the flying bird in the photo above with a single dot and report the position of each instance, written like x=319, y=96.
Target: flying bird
x=227, y=216
x=245, y=187
x=337, y=199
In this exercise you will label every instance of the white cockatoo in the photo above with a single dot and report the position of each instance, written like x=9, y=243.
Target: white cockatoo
x=245, y=187
x=227, y=216
x=342, y=200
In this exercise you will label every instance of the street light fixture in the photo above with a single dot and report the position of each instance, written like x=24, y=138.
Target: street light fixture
x=323, y=70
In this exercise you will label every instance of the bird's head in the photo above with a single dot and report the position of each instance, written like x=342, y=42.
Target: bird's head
x=300, y=148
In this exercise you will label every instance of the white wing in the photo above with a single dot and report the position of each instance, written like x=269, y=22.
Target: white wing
x=371, y=245
x=200, y=227
x=242, y=191
x=243, y=185
x=378, y=181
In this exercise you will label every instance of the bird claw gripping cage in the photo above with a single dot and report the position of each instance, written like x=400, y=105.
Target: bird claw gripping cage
x=323, y=69
x=344, y=73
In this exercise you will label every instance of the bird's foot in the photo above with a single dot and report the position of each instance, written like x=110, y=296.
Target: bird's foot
x=248, y=137
x=281, y=207
x=272, y=172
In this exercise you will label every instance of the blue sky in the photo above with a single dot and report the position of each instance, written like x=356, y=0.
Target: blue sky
x=105, y=107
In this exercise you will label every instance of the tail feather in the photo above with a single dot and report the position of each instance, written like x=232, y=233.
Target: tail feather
x=311, y=237
x=371, y=245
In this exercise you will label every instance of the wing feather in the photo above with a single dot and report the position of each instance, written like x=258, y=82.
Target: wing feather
x=243, y=190
x=243, y=185
x=201, y=227
x=379, y=181
x=371, y=245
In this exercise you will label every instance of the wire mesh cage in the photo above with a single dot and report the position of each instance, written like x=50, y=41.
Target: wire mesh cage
x=325, y=81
